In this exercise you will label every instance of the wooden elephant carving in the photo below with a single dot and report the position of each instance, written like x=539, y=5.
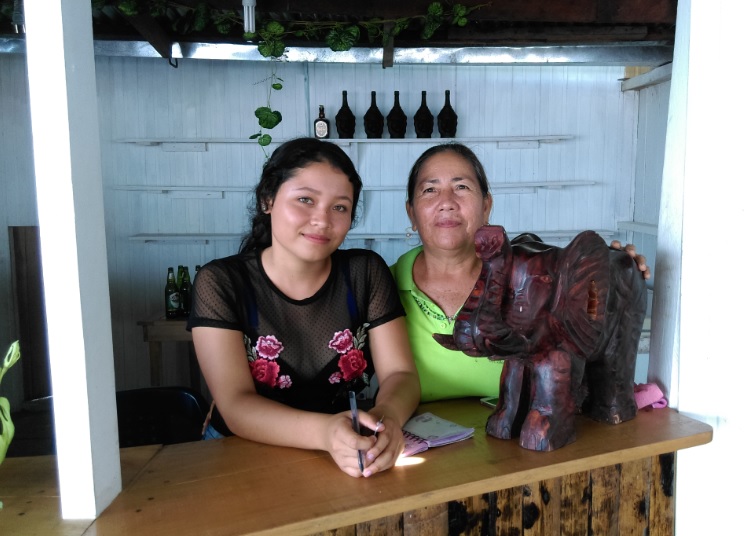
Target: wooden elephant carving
x=566, y=320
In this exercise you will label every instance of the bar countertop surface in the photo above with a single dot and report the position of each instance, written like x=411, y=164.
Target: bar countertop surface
x=233, y=486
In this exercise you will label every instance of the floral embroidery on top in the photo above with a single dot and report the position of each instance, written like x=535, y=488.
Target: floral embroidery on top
x=262, y=361
x=352, y=362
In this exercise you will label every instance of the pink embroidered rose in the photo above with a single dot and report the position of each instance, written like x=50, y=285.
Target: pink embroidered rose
x=342, y=341
x=265, y=371
x=352, y=364
x=284, y=382
x=269, y=347
x=335, y=377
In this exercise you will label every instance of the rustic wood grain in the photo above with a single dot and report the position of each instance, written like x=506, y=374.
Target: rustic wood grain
x=575, y=503
x=384, y=526
x=427, y=521
x=662, y=495
x=633, y=512
x=605, y=499
x=471, y=515
x=509, y=511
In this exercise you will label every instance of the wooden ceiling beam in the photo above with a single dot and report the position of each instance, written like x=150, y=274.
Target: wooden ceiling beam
x=147, y=26
x=562, y=11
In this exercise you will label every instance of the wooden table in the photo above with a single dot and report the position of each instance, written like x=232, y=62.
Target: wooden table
x=30, y=493
x=159, y=330
x=613, y=479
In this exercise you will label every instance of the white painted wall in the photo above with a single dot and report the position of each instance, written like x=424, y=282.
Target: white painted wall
x=699, y=313
x=142, y=98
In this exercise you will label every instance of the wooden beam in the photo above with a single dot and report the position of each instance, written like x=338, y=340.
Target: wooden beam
x=152, y=32
x=578, y=11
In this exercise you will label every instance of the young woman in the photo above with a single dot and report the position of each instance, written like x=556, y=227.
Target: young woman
x=286, y=328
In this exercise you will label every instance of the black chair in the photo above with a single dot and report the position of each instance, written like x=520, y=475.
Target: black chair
x=160, y=415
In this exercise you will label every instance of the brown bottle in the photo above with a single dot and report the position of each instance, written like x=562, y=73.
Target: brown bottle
x=185, y=293
x=321, y=125
x=423, y=121
x=446, y=121
x=397, y=121
x=172, y=302
x=373, y=119
x=345, y=121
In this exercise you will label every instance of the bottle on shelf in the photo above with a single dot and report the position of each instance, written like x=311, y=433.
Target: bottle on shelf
x=172, y=303
x=446, y=121
x=373, y=119
x=185, y=293
x=345, y=121
x=397, y=121
x=180, y=273
x=321, y=125
x=423, y=121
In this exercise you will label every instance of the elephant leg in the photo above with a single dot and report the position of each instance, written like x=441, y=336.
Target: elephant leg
x=550, y=421
x=506, y=420
x=611, y=376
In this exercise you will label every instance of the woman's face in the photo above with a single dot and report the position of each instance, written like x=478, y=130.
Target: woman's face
x=448, y=205
x=311, y=213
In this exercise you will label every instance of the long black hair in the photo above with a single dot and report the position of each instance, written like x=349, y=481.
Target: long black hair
x=282, y=165
x=457, y=148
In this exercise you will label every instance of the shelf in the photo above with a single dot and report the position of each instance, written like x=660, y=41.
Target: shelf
x=646, y=228
x=215, y=192
x=204, y=238
x=200, y=144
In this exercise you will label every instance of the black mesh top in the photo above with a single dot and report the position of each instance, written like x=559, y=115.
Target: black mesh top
x=304, y=353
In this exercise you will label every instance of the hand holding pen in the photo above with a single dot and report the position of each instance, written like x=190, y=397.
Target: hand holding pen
x=357, y=428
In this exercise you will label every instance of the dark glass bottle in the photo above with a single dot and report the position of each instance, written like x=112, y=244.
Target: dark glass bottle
x=423, y=121
x=397, y=121
x=446, y=121
x=172, y=303
x=373, y=119
x=345, y=121
x=185, y=293
x=321, y=125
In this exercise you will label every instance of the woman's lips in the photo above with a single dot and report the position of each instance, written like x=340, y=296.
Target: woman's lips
x=320, y=239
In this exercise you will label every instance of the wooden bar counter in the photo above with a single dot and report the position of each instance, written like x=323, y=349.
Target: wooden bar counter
x=613, y=479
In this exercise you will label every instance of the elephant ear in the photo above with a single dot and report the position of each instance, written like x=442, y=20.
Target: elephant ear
x=579, y=304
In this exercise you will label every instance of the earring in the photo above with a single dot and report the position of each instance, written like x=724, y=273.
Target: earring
x=411, y=236
x=263, y=206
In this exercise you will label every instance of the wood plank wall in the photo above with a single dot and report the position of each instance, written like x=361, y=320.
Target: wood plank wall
x=628, y=498
x=142, y=98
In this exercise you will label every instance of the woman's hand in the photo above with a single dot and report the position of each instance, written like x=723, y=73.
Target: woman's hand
x=344, y=442
x=380, y=450
x=384, y=447
x=641, y=260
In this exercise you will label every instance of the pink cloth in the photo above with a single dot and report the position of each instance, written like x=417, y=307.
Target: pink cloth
x=648, y=394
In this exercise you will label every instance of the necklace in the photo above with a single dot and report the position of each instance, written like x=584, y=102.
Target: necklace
x=451, y=319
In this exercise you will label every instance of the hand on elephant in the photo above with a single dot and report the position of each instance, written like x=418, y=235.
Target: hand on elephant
x=641, y=260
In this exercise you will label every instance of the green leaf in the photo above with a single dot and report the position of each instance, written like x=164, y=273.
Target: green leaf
x=255, y=136
x=277, y=86
x=342, y=39
x=435, y=9
x=128, y=7
x=267, y=117
x=459, y=11
x=274, y=28
x=265, y=140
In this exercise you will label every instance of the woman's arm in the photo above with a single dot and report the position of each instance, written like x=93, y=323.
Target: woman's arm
x=398, y=396
x=223, y=361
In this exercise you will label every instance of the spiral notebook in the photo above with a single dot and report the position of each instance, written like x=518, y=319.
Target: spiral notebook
x=428, y=430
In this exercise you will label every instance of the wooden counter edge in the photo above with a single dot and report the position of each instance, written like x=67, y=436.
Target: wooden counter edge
x=489, y=484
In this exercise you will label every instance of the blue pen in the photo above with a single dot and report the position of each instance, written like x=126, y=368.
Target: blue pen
x=356, y=426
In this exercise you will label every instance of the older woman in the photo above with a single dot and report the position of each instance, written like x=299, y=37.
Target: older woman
x=448, y=200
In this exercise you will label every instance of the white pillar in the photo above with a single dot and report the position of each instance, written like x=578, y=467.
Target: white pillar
x=67, y=161
x=700, y=291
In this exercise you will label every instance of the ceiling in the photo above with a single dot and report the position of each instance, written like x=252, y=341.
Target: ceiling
x=307, y=23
